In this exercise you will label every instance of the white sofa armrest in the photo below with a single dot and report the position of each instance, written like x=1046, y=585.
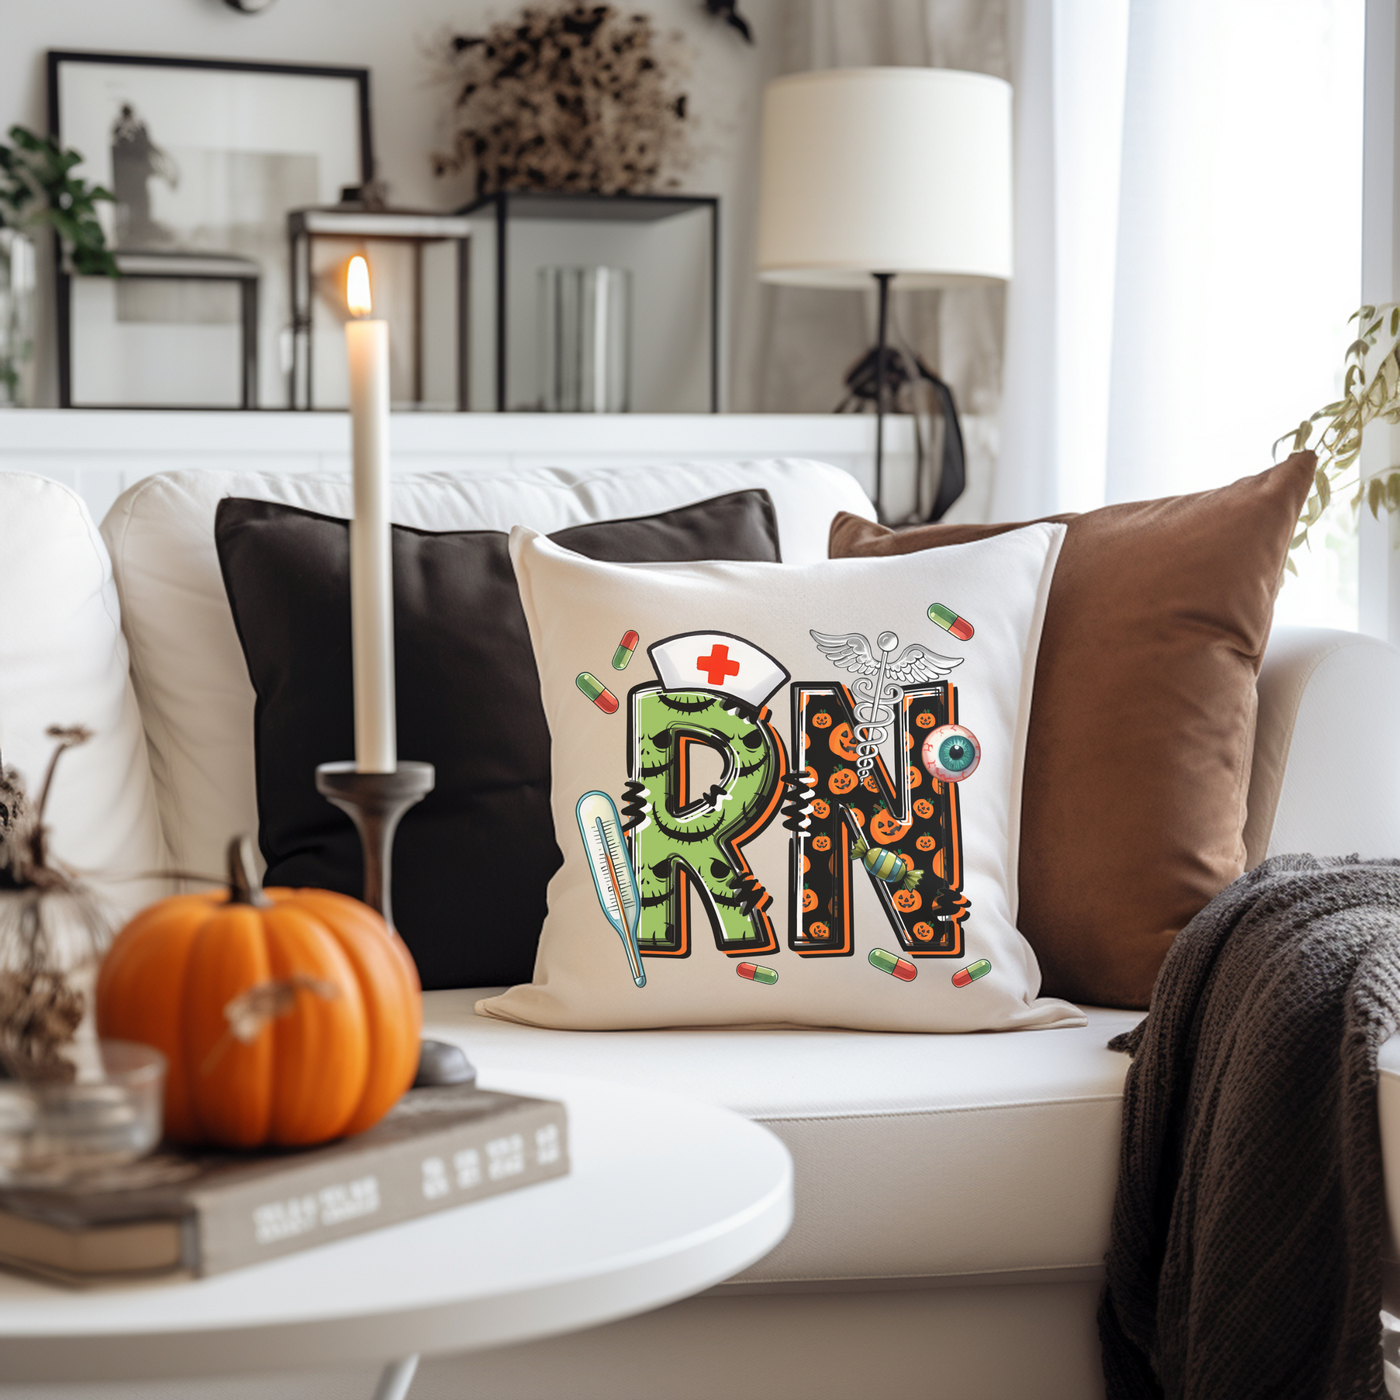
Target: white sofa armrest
x=1326, y=775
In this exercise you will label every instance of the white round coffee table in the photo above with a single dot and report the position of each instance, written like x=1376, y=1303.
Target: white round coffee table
x=666, y=1197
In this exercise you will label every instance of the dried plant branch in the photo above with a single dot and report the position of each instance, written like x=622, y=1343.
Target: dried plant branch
x=1370, y=391
x=40, y=1007
x=580, y=98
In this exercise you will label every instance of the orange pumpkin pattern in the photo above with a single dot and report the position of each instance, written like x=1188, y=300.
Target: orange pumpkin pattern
x=842, y=743
x=828, y=826
x=886, y=827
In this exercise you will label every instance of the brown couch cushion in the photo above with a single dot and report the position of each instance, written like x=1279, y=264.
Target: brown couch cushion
x=1142, y=722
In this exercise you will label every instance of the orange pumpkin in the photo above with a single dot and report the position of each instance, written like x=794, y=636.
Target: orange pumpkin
x=870, y=784
x=856, y=815
x=842, y=780
x=818, y=930
x=843, y=742
x=923, y=931
x=821, y=720
x=886, y=827
x=925, y=842
x=809, y=900
x=915, y=777
x=926, y=721
x=906, y=901
x=287, y=1017
x=821, y=843
x=821, y=809
x=923, y=808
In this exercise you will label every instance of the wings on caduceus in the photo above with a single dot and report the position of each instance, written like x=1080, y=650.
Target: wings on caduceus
x=916, y=664
x=850, y=652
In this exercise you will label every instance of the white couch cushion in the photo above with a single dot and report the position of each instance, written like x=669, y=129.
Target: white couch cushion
x=63, y=660
x=1311, y=789
x=196, y=698
x=916, y=1156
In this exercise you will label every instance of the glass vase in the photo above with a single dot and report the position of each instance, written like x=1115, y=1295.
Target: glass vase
x=18, y=293
x=585, y=339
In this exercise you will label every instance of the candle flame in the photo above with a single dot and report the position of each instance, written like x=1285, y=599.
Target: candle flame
x=357, y=287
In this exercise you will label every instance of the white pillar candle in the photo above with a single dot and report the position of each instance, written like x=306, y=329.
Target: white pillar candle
x=371, y=564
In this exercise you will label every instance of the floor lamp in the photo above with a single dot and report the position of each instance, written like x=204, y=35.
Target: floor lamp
x=900, y=174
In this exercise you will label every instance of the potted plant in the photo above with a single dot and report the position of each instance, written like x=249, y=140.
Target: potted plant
x=38, y=187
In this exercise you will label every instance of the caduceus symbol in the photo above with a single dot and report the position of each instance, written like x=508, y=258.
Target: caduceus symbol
x=880, y=682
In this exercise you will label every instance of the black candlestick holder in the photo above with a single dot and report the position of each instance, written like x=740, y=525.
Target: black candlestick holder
x=376, y=802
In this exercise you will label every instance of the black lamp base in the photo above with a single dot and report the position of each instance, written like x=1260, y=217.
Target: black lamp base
x=376, y=802
x=878, y=377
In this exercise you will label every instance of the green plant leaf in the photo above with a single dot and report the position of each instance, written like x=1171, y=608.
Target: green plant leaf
x=37, y=186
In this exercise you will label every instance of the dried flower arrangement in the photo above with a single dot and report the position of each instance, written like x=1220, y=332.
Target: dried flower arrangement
x=52, y=927
x=581, y=98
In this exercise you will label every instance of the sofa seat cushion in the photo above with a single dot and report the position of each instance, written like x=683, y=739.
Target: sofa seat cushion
x=916, y=1156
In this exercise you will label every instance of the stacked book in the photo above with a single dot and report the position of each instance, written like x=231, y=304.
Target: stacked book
x=201, y=1213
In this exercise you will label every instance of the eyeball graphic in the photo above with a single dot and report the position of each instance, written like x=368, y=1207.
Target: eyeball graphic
x=951, y=753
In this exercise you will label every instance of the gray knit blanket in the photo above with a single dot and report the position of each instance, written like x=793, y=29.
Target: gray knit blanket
x=1244, y=1259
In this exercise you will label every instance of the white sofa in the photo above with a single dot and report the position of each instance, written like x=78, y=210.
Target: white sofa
x=953, y=1192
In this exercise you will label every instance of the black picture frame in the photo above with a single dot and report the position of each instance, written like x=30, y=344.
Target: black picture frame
x=57, y=59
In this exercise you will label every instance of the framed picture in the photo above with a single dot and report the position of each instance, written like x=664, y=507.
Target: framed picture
x=205, y=158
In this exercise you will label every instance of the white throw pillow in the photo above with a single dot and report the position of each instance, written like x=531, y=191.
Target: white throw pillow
x=63, y=660
x=191, y=679
x=743, y=841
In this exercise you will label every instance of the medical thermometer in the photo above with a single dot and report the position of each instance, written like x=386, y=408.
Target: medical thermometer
x=601, y=828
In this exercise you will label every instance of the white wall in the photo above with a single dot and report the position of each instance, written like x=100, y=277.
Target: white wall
x=393, y=39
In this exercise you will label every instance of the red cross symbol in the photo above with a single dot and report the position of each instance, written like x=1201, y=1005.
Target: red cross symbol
x=717, y=664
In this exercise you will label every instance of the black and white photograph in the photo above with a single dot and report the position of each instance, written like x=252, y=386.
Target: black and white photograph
x=203, y=160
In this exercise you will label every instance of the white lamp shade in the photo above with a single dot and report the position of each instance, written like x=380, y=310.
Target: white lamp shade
x=901, y=170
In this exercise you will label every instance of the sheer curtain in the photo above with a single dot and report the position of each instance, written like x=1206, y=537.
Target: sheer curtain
x=1189, y=247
